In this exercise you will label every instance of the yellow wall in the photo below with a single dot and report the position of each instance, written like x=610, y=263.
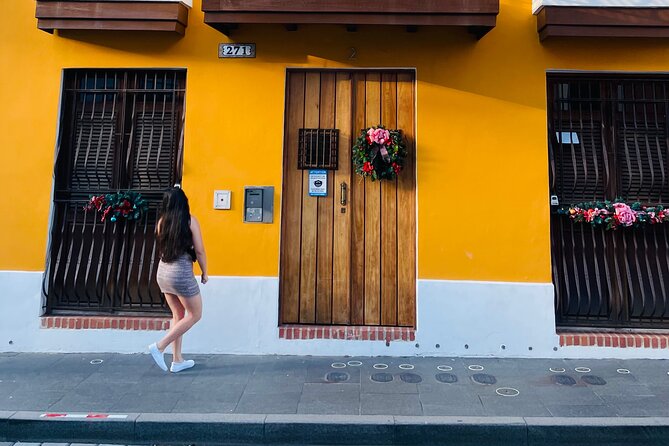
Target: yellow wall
x=481, y=130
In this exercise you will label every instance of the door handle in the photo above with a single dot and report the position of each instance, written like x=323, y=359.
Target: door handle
x=342, y=191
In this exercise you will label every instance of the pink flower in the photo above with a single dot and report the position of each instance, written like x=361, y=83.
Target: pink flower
x=626, y=216
x=590, y=214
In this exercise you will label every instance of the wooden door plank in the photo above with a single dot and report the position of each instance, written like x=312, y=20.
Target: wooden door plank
x=389, y=211
x=372, y=212
x=341, y=286
x=325, y=212
x=309, y=211
x=357, y=209
x=289, y=278
x=406, y=205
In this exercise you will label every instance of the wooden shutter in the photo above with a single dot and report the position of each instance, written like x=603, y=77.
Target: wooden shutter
x=94, y=142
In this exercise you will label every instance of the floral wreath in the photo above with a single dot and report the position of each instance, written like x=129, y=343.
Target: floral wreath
x=128, y=205
x=613, y=215
x=379, y=153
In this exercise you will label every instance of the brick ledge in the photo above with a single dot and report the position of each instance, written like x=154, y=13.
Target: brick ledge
x=105, y=323
x=617, y=340
x=350, y=333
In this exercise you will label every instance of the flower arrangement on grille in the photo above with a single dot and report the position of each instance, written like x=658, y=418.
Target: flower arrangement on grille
x=616, y=214
x=127, y=205
x=379, y=153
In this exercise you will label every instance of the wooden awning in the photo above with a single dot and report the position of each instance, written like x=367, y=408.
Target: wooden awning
x=607, y=21
x=478, y=16
x=119, y=15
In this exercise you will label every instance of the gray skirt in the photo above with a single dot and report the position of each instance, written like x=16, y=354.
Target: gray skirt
x=177, y=277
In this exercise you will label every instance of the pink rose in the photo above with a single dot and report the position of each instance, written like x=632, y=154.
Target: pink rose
x=626, y=216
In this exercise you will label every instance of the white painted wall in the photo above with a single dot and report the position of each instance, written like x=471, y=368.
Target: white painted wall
x=538, y=4
x=241, y=317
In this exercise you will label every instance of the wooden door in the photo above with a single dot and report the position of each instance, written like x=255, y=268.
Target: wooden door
x=348, y=258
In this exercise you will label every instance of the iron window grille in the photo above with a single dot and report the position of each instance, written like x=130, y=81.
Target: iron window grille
x=119, y=130
x=608, y=138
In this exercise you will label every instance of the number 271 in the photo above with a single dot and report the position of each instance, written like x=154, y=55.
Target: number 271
x=237, y=50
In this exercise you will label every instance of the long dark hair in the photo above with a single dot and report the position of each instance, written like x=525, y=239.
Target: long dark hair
x=174, y=237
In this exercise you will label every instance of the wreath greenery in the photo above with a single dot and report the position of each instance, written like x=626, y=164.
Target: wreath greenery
x=379, y=153
x=128, y=205
x=615, y=214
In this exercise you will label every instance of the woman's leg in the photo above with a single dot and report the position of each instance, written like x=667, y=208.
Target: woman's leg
x=178, y=312
x=193, y=306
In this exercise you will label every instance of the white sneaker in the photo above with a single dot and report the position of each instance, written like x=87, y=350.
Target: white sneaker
x=183, y=365
x=157, y=356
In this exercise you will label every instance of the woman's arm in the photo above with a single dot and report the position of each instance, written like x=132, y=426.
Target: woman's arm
x=199, y=247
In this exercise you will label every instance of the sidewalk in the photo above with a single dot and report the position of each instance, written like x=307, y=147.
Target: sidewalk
x=320, y=400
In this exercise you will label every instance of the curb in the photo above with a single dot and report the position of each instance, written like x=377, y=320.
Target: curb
x=221, y=429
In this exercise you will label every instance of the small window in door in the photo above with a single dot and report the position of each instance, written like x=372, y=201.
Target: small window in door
x=318, y=149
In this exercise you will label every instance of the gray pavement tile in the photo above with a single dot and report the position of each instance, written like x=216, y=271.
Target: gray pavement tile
x=449, y=394
x=502, y=406
x=390, y=404
x=233, y=374
x=140, y=402
x=56, y=444
x=573, y=395
x=85, y=403
x=218, y=395
x=658, y=409
x=627, y=390
x=319, y=374
x=271, y=387
x=6, y=443
x=566, y=410
x=258, y=403
x=343, y=396
x=462, y=410
x=345, y=402
x=319, y=388
x=392, y=387
x=30, y=400
x=220, y=391
x=23, y=443
x=204, y=406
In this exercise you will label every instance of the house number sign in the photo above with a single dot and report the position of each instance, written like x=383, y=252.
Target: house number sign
x=236, y=50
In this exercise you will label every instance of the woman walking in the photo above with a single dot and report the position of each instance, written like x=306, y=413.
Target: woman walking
x=180, y=244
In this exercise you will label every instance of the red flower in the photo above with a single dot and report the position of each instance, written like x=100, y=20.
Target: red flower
x=367, y=167
x=397, y=168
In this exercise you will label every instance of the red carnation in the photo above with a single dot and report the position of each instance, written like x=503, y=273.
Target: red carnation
x=396, y=168
x=367, y=167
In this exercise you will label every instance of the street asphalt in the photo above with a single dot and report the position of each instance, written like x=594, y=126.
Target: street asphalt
x=335, y=400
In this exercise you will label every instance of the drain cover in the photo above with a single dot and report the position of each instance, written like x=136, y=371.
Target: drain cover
x=336, y=377
x=447, y=378
x=593, y=380
x=382, y=377
x=411, y=378
x=484, y=378
x=563, y=380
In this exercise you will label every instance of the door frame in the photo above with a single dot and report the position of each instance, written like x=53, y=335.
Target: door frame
x=351, y=70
